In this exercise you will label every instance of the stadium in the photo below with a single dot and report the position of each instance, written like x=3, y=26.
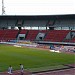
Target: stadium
x=44, y=44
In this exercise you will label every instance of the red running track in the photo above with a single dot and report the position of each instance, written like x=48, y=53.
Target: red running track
x=59, y=72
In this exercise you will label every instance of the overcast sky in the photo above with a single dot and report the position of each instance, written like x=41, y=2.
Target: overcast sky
x=38, y=7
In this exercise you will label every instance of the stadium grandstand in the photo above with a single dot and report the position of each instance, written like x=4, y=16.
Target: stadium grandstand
x=51, y=28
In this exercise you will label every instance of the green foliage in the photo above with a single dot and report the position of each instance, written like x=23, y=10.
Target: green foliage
x=31, y=58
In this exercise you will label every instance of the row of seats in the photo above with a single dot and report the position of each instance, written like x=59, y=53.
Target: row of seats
x=56, y=35
x=52, y=35
x=8, y=34
x=32, y=34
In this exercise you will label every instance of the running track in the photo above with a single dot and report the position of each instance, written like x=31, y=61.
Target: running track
x=59, y=72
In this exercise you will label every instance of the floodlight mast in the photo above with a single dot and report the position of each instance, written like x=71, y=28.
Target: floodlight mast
x=3, y=8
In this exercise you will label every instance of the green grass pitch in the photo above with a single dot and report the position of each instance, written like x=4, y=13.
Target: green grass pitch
x=32, y=59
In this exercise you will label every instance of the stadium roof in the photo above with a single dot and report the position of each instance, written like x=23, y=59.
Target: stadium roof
x=38, y=17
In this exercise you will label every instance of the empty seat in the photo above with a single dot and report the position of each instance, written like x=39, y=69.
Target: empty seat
x=56, y=35
x=32, y=35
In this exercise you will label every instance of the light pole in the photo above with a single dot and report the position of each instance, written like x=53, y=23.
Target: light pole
x=3, y=8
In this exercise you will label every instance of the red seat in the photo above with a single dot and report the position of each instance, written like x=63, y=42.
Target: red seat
x=56, y=35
